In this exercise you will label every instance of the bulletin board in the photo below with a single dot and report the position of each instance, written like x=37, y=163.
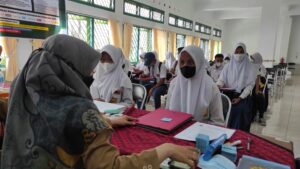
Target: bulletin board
x=36, y=19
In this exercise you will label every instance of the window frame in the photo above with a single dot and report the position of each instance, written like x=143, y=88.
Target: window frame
x=184, y=22
x=91, y=24
x=92, y=4
x=177, y=39
x=217, y=31
x=138, y=43
x=205, y=27
x=150, y=8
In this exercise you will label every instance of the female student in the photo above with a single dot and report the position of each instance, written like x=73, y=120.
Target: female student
x=193, y=91
x=257, y=94
x=53, y=123
x=169, y=61
x=239, y=75
x=114, y=85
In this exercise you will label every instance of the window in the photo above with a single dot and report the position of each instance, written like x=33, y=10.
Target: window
x=101, y=33
x=106, y=4
x=201, y=28
x=180, y=22
x=180, y=40
x=79, y=27
x=204, y=45
x=141, y=42
x=144, y=11
x=93, y=31
x=172, y=20
x=217, y=32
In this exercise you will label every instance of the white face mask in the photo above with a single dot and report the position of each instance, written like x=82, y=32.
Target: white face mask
x=226, y=61
x=218, y=64
x=108, y=67
x=239, y=57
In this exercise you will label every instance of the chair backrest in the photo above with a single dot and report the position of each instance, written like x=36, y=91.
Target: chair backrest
x=139, y=94
x=226, y=102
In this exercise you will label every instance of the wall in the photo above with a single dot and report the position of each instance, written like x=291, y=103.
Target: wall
x=294, y=47
x=178, y=7
x=241, y=30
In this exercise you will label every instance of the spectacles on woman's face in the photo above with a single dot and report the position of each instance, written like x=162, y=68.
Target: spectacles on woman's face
x=186, y=60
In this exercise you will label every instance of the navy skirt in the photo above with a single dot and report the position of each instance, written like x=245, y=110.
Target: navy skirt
x=241, y=114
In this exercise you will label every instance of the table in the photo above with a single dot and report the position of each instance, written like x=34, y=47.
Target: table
x=134, y=139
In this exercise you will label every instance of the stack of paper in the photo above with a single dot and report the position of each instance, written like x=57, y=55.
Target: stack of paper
x=109, y=108
x=212, y=131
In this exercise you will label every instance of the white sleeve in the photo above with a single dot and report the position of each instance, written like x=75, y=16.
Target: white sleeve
x=163, y=71
x=216, y=108
x=169, y=95
x=221, y=80
x=247, y=91
x=127, y=99
x=146, y=70
x=94, y=92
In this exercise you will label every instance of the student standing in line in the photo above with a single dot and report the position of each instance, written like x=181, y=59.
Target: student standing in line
x=193, y=91
x=239, y=75
x=52, y=121
x=114, y=86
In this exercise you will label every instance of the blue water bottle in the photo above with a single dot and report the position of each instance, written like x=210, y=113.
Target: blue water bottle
x=212, y=148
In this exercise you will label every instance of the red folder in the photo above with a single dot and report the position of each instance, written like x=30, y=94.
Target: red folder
x=164, y=121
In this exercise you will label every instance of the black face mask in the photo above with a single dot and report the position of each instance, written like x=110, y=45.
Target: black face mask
x=188, y=71
x=88, y=81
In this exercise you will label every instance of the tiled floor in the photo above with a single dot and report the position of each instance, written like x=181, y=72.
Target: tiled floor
x=283, y=116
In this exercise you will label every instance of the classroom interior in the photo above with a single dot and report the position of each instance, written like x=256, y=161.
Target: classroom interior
x=270, y=27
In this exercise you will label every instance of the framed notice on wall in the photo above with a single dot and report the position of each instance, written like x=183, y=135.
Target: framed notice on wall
x=31, y=18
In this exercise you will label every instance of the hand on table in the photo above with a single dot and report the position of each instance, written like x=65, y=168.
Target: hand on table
x=122, y=121
x=185, y=154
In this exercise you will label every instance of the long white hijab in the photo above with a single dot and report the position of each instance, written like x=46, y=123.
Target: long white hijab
x=238, y=74
x=192, y=95
x=111, y=81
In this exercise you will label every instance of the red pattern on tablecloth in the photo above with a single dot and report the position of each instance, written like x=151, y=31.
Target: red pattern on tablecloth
x=135, y=139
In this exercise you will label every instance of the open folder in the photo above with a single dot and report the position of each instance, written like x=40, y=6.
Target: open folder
x=212, y=131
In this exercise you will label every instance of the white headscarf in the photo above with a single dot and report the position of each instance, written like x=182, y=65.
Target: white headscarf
x=169, y=60
x=238, y=75
x=258, y=64
x=111, y=81
x=192, y=95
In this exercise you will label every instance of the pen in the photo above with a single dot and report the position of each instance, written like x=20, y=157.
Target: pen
x=249, y=143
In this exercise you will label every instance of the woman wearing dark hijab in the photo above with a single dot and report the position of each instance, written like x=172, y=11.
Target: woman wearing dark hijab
x=53, y=123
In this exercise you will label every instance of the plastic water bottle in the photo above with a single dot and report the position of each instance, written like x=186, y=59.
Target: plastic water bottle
x=212, y=148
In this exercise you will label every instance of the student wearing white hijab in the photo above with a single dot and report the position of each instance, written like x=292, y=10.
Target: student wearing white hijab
x=193, y=91
x=114, y=85
x=170, y=59
x=239, y=75
x=258, y=96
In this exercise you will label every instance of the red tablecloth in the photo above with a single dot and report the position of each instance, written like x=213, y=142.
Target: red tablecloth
x=135, y=139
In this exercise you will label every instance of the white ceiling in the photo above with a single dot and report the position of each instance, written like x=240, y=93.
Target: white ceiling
x=238, y=9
